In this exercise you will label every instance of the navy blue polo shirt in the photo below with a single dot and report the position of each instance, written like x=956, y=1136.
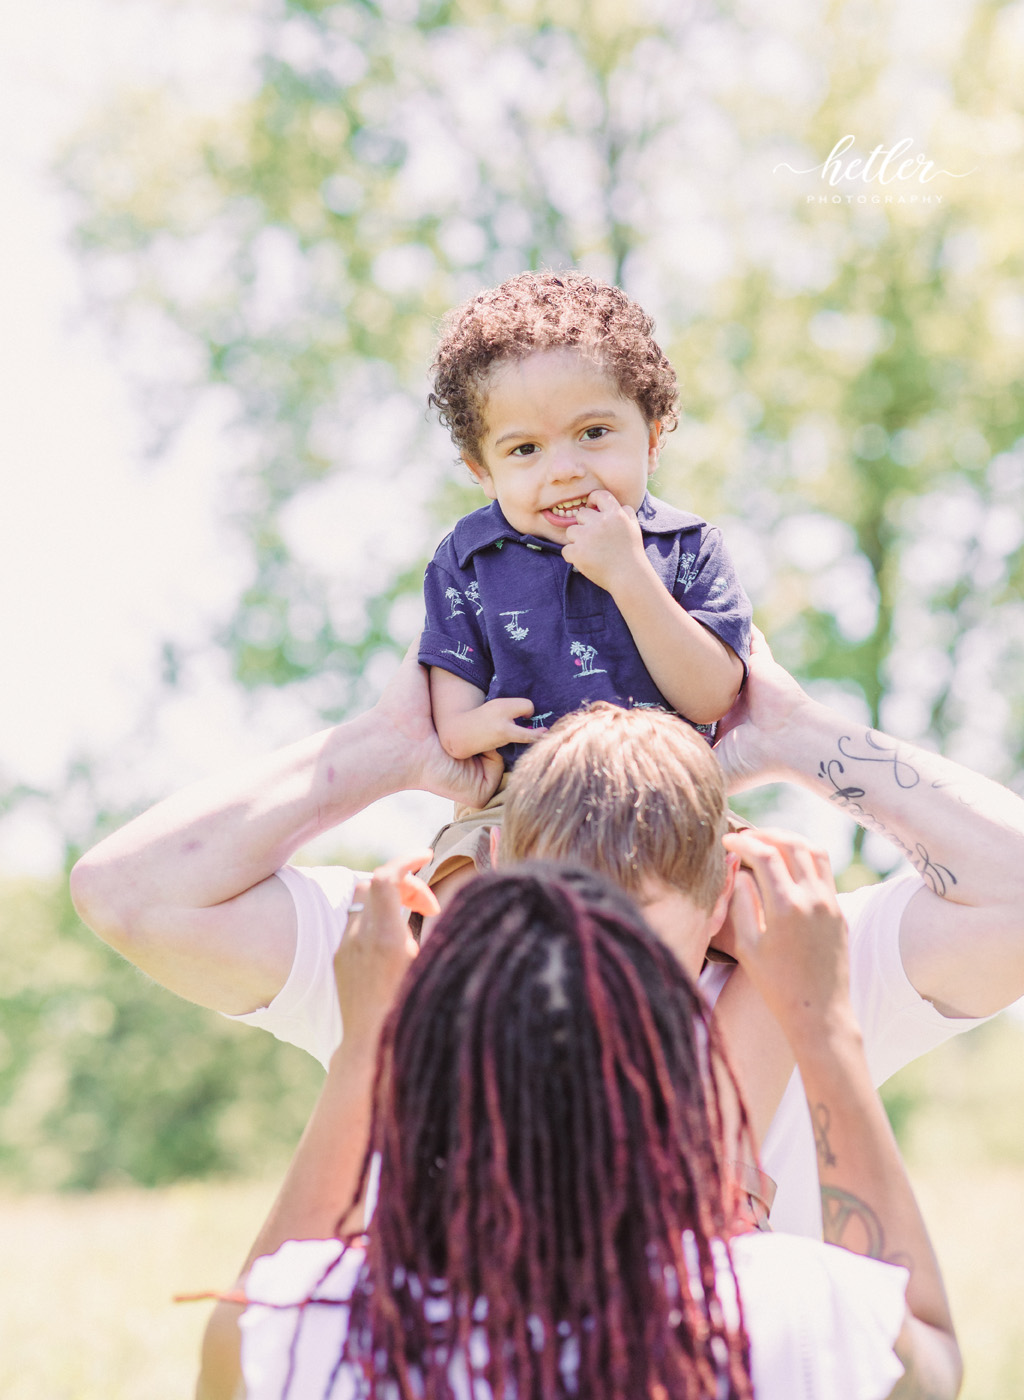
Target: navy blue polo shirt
x=508, y=614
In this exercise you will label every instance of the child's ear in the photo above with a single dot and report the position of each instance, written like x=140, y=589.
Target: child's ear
x=482, y=477
x=653, y=446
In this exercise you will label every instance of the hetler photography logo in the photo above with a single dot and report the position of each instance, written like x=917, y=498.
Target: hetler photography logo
x=896, y=173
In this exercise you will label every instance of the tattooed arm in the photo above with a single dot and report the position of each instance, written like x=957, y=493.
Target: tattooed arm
x=791, y=940
x=962, y=936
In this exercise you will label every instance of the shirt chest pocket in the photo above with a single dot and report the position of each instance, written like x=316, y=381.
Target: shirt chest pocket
x=592, y=625
x=585, y=607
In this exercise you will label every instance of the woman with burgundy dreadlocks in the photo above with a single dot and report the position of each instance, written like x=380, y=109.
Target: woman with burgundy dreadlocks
x=554, y=1216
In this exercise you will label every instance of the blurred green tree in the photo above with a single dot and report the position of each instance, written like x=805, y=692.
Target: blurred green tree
x=848, y=367
x=849, y=372
x=106, y=1080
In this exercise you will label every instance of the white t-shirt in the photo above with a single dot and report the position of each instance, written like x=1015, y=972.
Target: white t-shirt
x=898, y=1024
x=821, y=1321
x=305, y=1011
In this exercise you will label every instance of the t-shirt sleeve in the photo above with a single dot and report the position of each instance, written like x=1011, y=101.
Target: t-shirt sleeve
x=305, y=1011
x=822, y=1322
x=453, y=638
x=709, y=588
x=898, y=1023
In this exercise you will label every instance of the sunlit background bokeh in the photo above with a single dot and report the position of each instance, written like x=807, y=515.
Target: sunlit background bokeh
x=229, y=229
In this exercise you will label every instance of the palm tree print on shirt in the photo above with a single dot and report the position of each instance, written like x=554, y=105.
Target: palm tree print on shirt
x=512, y=627
x=585, y=655
x=455, y=602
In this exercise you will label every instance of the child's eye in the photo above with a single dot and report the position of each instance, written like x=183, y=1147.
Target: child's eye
x=525, y=449
x=593, y=434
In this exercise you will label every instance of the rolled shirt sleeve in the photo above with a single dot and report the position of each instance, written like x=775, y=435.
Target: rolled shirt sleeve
x=708, y=587
x=453, y=638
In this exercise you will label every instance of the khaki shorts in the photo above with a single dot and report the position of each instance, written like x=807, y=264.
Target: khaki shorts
x=466, y=840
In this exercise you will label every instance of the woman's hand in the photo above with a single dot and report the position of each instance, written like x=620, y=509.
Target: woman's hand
x=790, y=934
x=377, y=947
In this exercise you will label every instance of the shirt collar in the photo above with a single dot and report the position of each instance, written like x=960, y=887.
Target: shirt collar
x=487, y=526
x=483, y=528
x=658, y=518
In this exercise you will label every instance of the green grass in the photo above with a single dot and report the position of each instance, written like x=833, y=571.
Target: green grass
x=86, y=1280
x=960, y=1121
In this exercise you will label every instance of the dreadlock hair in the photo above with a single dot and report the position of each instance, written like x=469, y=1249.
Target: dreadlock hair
x=547, y=311
x=551, y=1162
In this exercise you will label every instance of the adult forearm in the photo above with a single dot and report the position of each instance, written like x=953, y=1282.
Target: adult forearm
x=868, y=1205
x=962, y=832
x=961, y=938
x=320, y=1186
x=792, y=941
x=224, y=835
x=316, y=1191
x=321, y=1180
x=186, y=891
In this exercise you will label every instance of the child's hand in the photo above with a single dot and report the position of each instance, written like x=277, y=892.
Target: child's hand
x=488, y=726
x=606, y=543
x=404, y=712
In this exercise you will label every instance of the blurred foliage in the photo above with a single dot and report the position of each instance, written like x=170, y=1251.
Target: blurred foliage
x=951, y=1107
x=849, y=375
x=105, y=1079
x=849, y=370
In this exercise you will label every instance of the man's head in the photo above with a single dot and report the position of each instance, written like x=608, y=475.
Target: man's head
x=543, y=311
x=637, y=795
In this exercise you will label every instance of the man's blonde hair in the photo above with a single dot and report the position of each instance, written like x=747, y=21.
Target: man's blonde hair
x=634, y=794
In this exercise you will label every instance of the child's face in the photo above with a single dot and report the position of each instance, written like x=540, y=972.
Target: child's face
x=558, y=428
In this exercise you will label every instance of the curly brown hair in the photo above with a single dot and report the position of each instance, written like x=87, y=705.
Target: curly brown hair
x=546, y=311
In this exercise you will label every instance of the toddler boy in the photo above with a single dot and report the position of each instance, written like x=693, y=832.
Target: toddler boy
x=574, y=584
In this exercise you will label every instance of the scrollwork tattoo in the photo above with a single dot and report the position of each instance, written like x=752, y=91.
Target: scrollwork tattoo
x=904, y=773
x=850, y=796
x=840, y=793
x=939, y=877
